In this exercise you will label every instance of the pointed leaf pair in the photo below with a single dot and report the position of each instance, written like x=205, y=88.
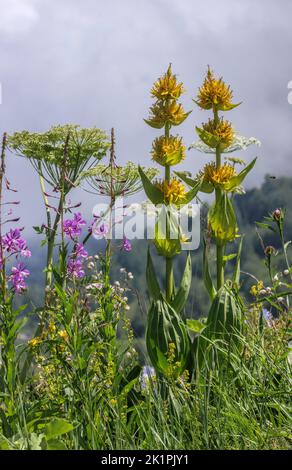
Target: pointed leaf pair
x=228, y=107
x=222, y=219
x=151, y=191
x=165, y=330
x=154, y=289
x=236, y=181
x=182, y=294
x=152, y=282
x=208, y=138
x=190, y=195
x=185, y=176
x=167, y=233
x=154, y=123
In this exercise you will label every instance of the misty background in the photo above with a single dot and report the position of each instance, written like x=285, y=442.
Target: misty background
x=94, y=62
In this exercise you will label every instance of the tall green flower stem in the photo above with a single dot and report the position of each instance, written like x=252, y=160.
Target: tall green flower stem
x=167, y=340
x=107, y=307
x=218, y=192
x=52, y=229
x=2, y=174
x=167, y=150
x=218, y=137
x=59, y=156
x=169, y=278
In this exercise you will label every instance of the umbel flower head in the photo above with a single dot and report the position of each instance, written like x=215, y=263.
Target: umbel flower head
x=117, y=180
x=215, y=94
x=164, y=113
x=218, y=176
x=173, y=191
x=221, y=130
x=46, y=151
x=167, y=87
x=168, y=150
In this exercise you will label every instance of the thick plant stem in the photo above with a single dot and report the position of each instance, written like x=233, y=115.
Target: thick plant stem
x=49, y=227
x=2, y=258
x=219, y=245
x=51, y=245
x=169, y=279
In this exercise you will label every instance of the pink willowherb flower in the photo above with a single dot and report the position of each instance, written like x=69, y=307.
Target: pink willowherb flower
x=127, y=245
x=75, y=269
x=17, y=277
x=14, y=244
x=73, y=227
x=80, y=251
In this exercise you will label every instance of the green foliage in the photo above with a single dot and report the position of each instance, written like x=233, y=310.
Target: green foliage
x=151, y=191
x=46, y=150
x=224, y=324
x=181, y=296
x=222, y=219
x=167, y=340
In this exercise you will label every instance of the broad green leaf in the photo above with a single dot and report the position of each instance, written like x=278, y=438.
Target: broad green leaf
x=161, y=359
x=206, y=187
x=4, y=443
x=185, y=176
x=181, y=296
x=164, y=327
x=206, y=274
x=56, y=427
x=151, y=191
x=222, y=219
x=56, y=444
x=190, y=195
x=152, y=282
x=167, y=246
x=208, y=138
x=238, y=179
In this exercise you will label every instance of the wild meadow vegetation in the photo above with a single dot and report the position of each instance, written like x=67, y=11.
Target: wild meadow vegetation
x=218, y=378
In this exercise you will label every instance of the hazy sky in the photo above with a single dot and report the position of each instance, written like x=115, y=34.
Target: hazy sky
x=92, y=62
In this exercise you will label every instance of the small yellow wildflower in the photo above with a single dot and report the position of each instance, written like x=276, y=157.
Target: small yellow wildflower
x=168, y=150
x=35, y=341
x=113, y=402
x=63, y=334
x=51, y=327
x=222, y=130
x=174, y=191
x=218, y=176
x=168, y=112
x=214, y=93
x=256, y=288
x=167, y=87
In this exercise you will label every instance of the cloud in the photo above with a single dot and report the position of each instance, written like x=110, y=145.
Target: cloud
x=17, y=16
x=94, y=62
